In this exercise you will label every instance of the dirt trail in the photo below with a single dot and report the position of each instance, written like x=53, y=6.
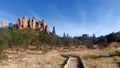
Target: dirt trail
x=74, y=62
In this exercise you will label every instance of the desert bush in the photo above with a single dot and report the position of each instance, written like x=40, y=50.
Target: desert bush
x=3, y=56
x=114, y=53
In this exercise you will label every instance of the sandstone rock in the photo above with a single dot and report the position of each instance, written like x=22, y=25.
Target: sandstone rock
x=37, y=25
x=30, y=23
x=19, y=24
x=42, y=25
x=47, y=29
x=24, y=21
x=3, y=23
x=33, y=23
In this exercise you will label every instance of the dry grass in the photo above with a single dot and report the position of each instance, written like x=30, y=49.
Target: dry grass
x=99, y=58
x=30, y=60
x=105, y=58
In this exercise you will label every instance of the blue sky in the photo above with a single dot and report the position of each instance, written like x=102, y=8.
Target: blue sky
x=74, y=17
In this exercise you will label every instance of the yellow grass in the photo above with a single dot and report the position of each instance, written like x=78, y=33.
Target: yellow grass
x=36, y=59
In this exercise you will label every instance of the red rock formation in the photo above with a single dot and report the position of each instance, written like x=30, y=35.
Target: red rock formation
x=25, y=23
x=42, y=25
x=33, y=23
x=30, y=23
x=37, y=25
x=19, y=24
x=47, y=29
x=3, y=23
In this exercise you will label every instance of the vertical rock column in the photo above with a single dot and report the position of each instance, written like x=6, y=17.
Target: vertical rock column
x=19, y=24
x=47, y=29
x=30, y=23
x=33, y=23
x=24, y=21
x=53, y=32
x=42, y=25
x=3, y=24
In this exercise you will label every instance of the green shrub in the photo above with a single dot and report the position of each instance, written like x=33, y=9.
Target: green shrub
x=117, y=59
x=114, y=53
x=2, y=56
